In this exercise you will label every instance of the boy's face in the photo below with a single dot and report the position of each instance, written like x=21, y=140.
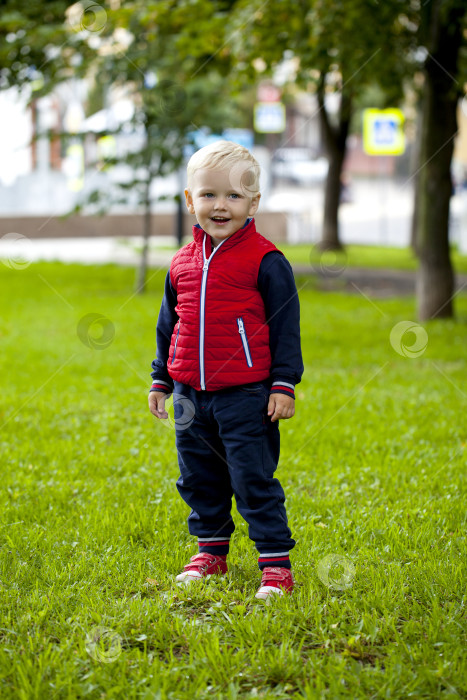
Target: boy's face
x=220, y=206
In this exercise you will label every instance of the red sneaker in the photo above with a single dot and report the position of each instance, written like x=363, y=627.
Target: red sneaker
x=201, y=565
x=275, y=580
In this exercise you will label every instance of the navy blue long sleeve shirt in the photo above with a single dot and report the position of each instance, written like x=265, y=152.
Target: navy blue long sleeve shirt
x=276, y=284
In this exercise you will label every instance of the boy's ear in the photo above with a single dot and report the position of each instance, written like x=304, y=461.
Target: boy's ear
x=189, y=201
x=254, y=205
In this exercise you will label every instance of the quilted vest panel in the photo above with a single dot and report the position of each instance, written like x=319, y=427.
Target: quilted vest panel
x=221, y=338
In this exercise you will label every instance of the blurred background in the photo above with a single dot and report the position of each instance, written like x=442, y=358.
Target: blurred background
x=356, y=112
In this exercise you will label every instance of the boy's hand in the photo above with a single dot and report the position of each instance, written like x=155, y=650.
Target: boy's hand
x=280, y=406
x=157, y=401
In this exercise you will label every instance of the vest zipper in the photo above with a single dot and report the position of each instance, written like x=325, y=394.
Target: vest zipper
x=201, y=310
x=241, y=330
x=175, y=346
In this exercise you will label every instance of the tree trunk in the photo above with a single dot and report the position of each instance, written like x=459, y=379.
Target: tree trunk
x=435, y=278
x=143, y=265
x=416, y=178
x=335, y=140
x=330, y=239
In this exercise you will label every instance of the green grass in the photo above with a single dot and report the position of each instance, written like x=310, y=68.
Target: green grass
x=364, y=256
x=373, y=465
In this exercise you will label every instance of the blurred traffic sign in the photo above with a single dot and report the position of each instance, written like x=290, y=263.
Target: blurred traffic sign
x=202, y=137
x=244, y=137
x=269, y=117
x=268, y=93
x=383, y=133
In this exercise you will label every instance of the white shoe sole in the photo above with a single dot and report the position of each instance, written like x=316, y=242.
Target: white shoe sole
x=266, y=591
x=187, y=576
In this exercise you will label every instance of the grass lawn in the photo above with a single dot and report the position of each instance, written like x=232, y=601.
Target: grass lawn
x=93, y=530
x=364, y=256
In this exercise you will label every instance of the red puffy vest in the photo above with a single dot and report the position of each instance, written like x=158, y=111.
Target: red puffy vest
x=222, y=337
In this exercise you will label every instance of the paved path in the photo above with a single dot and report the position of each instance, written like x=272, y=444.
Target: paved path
x=380, y=282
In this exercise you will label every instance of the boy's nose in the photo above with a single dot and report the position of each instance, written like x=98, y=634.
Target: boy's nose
x=220, y=203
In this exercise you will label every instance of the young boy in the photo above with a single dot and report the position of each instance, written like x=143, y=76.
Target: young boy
x=228, y=341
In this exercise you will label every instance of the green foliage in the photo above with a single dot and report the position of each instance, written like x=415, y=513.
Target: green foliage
x=167, y=56
x=373, y=465
x=28, y=33
x=169, y=61
x=353, y=43
x=95, y=99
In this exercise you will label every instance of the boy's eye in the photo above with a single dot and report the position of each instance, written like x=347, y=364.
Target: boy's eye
x=232, y=195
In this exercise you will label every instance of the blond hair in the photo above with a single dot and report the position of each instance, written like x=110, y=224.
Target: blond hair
x=227, y=155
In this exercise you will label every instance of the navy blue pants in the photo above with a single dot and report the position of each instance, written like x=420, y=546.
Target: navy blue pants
x=227, y=445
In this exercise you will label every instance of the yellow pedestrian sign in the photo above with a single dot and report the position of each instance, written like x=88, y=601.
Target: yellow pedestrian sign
x=383, y=132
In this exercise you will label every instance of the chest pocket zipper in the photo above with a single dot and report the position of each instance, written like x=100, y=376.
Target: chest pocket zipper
x=241, y=330
x=175, y=346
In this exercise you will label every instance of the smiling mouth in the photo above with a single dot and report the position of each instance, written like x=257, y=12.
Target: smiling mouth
x=219, y=219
